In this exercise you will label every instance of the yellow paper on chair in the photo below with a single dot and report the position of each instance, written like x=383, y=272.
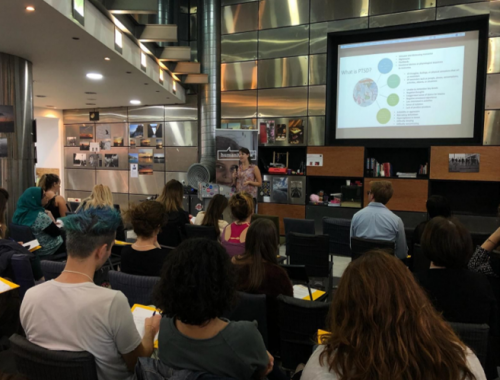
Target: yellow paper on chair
x=301, y=291
x=6, y=285
x=122, y=243
x=140, y=313
x=320, y=334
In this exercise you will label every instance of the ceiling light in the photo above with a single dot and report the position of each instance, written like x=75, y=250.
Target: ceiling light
x=76, y=38
x=107, y=59
x=128, y=72
x=91, y=93
x=135, y=102
x=30, y=8
x=95, y=76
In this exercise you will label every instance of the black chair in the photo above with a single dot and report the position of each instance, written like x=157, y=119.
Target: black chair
x=51, y=269
x=298, y=274
x=299, y=321
x=250, y=307
x=313, y=252
x=475, y=337
x=420, y=262
x=35, y=362
x=303, y=226
x=137, y=289
x=23, y=275
x=20, y=233
x=194, y=231
x=339, y=232
x=360, y=246
x=273, y=218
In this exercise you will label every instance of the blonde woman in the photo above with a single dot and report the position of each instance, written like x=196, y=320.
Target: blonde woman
x=173, y=229
x=102, y=197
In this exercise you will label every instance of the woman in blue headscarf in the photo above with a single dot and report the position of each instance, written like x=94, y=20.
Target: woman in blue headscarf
x=30, y=213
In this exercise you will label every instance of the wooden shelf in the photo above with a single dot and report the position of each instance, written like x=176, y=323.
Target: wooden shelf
x=347, y=161
x=409, y=194
x=283, y=211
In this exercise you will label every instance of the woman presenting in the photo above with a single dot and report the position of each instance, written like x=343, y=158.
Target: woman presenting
x=247, y=178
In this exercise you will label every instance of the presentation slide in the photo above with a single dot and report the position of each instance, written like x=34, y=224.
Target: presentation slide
x=420, y=87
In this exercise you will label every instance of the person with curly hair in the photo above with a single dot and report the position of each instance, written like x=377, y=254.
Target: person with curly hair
x=197, y=286
x=384, y=327
x=145, y=257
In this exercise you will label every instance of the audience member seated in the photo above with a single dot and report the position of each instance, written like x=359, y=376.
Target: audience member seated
x=384, y=327
x=173, y=229
x=57, y=204
x=102, y=197
x=377, y=222
x=436, y=205
x=461, y=295
x=71, y=313
x=258, y=272
x=213, y=216
x=196, y=288
x=145, y=257
x=234, y=235
x=483, y=260
x=30, y=213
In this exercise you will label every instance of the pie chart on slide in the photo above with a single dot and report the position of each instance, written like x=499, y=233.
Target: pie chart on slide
x=365, y=92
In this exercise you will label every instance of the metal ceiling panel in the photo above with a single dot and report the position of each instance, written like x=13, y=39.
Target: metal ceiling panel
x=146, y=113
x=493, y=66
x=112, y=115
x=180, y=159
x=291, y=101
x=238, y=104
x=379, y=7
x=240, y=18
x=279, y=13
x=146, y=184
x=351, y=24
x=142, y=7
x=317, y=69
x=318, y=37
x=79, y=179
x=284, y=42
x=239, y=47
x=464, y=10
x=231, y=2
x=116, y=180
x=317, y=100
x=316, y=131
x=491, y=134
x=444, y=3
x=238, y=76
x=325, y=10
x=181, y=133
x=283, y=72
x=77, y=116
x=158, y=33
x=186, y=111
x=175, y=53
x=403, y=18
x=492, y=101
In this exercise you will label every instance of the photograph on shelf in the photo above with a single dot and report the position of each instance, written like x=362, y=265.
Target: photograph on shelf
x=94, y=147
x=159, y=158
x=105, y=144
x=103, y=131
x=84, y=145
x=263, y=133
x=95, y=160
x=145, y=156
x=159, y=143
x=155, y=130
x=295, y=132
x=133, y=158
x=463, y=162
x=6, y=119
x=111, y=161
x=3, y=148
x=71, y=141
x=145, y=142
x=132, y=143
x=136, y=130
x=280, y=189
x=295, y=189
x=271, y=131
x=280, y=132
x=86, y=132
x=145, y=169
x=117, y=141
x=79, y=159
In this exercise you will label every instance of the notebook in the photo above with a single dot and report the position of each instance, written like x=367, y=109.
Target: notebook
x=6, y=285
x=140, y=313
x=301, y=291
x=32, y=245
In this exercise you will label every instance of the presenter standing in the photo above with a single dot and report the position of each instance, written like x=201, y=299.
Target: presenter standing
x=247, y=177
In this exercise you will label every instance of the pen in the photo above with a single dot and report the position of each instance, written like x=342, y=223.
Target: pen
x=154, y=313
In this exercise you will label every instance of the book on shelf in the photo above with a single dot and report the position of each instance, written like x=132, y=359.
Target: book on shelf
x=424, y=169
x=406, y=175
x=375, y=169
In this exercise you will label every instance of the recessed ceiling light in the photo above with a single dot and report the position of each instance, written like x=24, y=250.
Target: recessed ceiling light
x=30, y=8
x=129, y=72
x=146, y=84
x=41, y=96
x=95, y=76
x=91, y=93
x=76, y=38
x=157, y=91
x=107, y=59
x=135, y=102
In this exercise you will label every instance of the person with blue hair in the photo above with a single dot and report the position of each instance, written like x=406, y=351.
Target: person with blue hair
x=71, y=313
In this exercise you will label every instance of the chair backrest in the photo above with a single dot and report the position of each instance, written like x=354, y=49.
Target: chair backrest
x=36, y=362
x=51, y=269
x=311, y=251
x=304, y=226
x=296, y=273
x=339, y=232
x=23, y=275
x=20, y=233
x=73, y=205
x=360, y=246
x=475, y=337
x=420, y=262
x=194, y=231
x=250, y=307
x=137, y=289
x=273, y=218
x=299, y=321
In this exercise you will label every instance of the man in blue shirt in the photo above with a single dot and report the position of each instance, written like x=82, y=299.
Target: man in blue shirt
x=377, y=222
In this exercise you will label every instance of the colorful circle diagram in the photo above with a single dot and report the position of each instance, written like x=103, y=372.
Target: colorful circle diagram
x=393, y=81
x=383, y=116
x=393, y=100
x=365, y=92
x=385, y=66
